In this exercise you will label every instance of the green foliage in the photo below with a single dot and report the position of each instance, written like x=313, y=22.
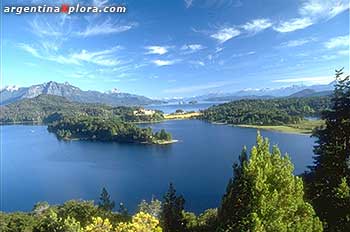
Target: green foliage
x=327, y=183
x=264, y=195
x=50, y=222
x=92, y=128
x=171, y=217
x=17, y=222
x=50, y=108
x=271, y=112
x=163, y=135
x=205, y=222
x=153, y=208
x=106, y=203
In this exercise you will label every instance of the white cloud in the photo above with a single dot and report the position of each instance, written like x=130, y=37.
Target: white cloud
x=160, y=50
x=190, y=89
x=293, y=25
x=188, y=3
x=297, y=43
x=197, y=63
x=311, y=12
x=164, y=62
x=104, y=28
x=340, y=41
x=257, y=25
x=323, y=8
x=308, y=80
x=343, y=53
x=191, y=48
x=29, y=49
x=103, y=57
x=226, y=34
x=99, y=3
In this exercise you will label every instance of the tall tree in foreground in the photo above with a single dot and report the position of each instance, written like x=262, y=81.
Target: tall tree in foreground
x=328, y=182
x=105, y=202
x=264, y=195
x=171, y=216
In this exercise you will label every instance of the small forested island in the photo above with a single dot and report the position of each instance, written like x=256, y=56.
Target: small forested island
x=285, y=114
x=108, y=130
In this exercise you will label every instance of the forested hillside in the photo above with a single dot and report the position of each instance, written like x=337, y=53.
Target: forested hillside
x=267, y=112
x=108, y=130
x=48, y=108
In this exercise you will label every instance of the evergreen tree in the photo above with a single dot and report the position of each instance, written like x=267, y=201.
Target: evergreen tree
x=331, y=172
x=171, y=216
x=264, y=195
x=105, y=202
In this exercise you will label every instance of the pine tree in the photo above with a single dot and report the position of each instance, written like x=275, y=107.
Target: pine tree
x=264, y=195
x=105, y=202
x=331, y=171
x=171, y=216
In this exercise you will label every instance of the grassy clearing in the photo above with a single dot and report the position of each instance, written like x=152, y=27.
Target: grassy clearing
x=181, y=116
x=304, y=127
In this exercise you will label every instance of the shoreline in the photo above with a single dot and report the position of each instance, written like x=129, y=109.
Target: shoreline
x=282, y=129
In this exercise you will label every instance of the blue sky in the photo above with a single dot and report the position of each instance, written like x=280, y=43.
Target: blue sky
x=179, y=48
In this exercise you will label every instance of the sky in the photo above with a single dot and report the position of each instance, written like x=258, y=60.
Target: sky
x=178, y=48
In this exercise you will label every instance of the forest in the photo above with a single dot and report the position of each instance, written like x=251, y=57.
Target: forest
x=48, y=108
x=263, y=194
x=271, y=112
x=108, y=130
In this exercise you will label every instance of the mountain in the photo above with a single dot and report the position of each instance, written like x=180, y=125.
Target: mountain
x=310, y=93
x=236, y=98
x=266, y=93
x=72, y=93
x=284, y=91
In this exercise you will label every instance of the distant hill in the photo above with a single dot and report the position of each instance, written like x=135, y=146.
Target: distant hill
x=235, y=98
x=13, y=94
x=266, y=93
x=311, y=93
x=49, y=108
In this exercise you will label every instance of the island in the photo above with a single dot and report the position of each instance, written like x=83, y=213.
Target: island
x=106, y=130
x=282, y=114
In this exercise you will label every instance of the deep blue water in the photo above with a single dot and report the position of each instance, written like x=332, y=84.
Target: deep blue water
x=35, y=166
x=171, y=108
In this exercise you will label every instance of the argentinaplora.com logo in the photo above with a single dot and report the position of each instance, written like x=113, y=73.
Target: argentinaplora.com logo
x=63, y=8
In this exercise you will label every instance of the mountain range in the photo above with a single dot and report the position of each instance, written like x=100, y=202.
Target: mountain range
x=265, y=93
x=116, y=98
x=12, y=94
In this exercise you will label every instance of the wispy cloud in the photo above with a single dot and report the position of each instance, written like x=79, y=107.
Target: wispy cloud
x=225, y=34
x=297, y=43
x=160, y=50
x=191, y=48
x=99, y=3
x=307, y=80
x=164, y=62
x=105, y=28
x=191, y=89
x=30, y=49
x=257, y=25
x=293, y=25
x=103, y=57
x=197, y=63
x=311, y=12
x=343, y=53
x=340, y=41
x=324, y=9
x=188, y=3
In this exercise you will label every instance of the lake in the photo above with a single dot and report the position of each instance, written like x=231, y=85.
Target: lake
x=35, y=166
x=172, y=107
